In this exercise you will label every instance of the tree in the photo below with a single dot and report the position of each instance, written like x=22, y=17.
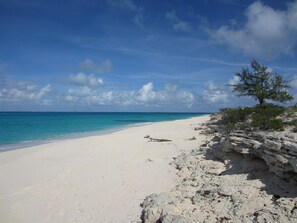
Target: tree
x=261, y=84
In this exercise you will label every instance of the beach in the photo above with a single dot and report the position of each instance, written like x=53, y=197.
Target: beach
x=100, y=178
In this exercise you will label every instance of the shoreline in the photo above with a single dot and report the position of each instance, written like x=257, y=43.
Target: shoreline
x=70, y=136
x=101, y=178
x=78, y=135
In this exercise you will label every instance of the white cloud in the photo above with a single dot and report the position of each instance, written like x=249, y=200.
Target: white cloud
x=234, y=80
x=172, y=16
x=81, y=91
x=182, y=26
x=138, y=19
x=70, y=98
x=147, y=93
x=145, y=96
x=170, y=88
x=20, y=91
x=43, y=91
x=293, y=82
x=267, y=32
x=186, y=98
x=178, y=25
x=83, y=79
x=215, y=93
x=47, y=102
x=89, y=65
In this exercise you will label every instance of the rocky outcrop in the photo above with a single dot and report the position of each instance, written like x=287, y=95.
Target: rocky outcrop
x=277, y=149
x=235, y=177
x=210, y=191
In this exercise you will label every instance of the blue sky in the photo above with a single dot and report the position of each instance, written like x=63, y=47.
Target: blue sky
x=139, y=55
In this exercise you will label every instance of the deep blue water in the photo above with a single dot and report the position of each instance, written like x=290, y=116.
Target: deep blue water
x=19, y=129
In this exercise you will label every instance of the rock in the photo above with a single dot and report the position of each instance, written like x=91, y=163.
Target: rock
x=157, y=205
x=272, y=145
x=175, y=219
x=293, y=163
x=277, y=149
x=235, y=177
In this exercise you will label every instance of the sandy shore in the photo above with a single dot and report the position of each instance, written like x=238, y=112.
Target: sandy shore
x=93, y=179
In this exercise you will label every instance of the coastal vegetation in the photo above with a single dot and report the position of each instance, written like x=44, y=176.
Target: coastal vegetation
x=262, y=85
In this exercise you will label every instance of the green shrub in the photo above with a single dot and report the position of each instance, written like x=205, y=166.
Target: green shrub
x=276, y=124
x=292, y=123
x=262, y=117
x=235, y=115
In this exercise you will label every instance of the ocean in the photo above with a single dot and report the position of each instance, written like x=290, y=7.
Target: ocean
x=24, y=129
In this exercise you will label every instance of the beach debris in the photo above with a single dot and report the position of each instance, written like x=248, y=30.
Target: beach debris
x=159, y=140
x=198, y=128
x=156, y=140
x=149, y=160
x=193, y=138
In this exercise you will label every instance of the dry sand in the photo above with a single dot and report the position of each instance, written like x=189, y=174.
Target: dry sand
x=93, y=179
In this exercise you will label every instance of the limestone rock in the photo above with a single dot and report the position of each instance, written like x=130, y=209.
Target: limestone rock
x=157, y=205
x=277, y=149
x=239, y=177
x=175, y=219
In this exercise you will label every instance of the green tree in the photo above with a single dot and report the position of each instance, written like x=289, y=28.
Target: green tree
x=261, y=84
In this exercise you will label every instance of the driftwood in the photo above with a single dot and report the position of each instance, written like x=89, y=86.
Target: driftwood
x=157, y=140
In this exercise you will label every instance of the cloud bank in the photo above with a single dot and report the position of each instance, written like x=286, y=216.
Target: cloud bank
x=267, y=32
x=214, y=93
x=20, y=91
x=145, y=96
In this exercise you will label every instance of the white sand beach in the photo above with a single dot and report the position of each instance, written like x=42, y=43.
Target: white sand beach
x=93, y=179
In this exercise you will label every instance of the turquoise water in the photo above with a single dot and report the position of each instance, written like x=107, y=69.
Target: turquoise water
x=21, y=129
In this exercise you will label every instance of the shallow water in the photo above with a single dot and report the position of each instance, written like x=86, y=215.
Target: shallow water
x=21, y=129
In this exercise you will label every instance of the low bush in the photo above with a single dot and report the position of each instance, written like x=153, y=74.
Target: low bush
x=236, y=115
x=262, y=117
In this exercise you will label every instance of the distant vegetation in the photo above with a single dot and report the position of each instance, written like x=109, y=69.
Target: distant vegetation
x=262, y=85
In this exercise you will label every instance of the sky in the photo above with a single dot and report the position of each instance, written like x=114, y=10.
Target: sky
x=139, y=55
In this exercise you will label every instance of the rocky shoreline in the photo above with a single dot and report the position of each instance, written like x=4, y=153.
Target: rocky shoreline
x=235, y=177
